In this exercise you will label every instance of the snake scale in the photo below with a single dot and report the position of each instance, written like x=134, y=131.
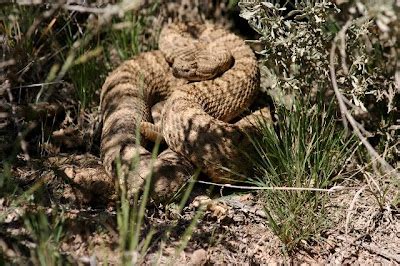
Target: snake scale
x=207, y=76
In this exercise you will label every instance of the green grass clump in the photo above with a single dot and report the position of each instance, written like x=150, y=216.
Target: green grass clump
x=85, y=76
x=62, y=46
x=130, y=218
x=135, y=237
x=306, y=150
x=126, y=36
x=123, y=35
x=47, y=237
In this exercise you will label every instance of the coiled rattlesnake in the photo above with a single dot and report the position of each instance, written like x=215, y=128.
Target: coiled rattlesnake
x=207, y=76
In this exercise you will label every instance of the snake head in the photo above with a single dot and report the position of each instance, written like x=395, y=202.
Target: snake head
x=187, y=69
x=202, y=65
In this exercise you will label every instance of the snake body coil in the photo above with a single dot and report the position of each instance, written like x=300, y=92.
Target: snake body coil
x=207, y=76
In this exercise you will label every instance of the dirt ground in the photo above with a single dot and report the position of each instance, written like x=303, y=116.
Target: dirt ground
x=233, y=229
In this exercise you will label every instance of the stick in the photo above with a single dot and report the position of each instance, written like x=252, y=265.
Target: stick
x=347, y=117
x=330, y=190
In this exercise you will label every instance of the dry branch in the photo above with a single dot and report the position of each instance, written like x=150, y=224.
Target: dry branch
x=346, y=115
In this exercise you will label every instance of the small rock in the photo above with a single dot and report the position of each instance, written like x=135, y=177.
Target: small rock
x=199, y=257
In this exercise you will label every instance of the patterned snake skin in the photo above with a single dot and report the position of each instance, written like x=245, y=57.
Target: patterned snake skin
x=207, y=77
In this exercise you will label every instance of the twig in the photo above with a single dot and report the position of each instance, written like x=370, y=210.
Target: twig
x=347, y=101
x=381, y=251
x=109, y=10
x=342, y=37
x=44, y=15
x=7, y=63
x=37, y=85
x=360, y=169
x=347, y=117
x=363, y=130
x=348, y=160
x=351, y=207
x=330, y=190
x=339, y=96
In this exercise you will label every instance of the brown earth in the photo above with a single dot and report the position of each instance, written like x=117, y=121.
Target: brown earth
x=232, y=230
